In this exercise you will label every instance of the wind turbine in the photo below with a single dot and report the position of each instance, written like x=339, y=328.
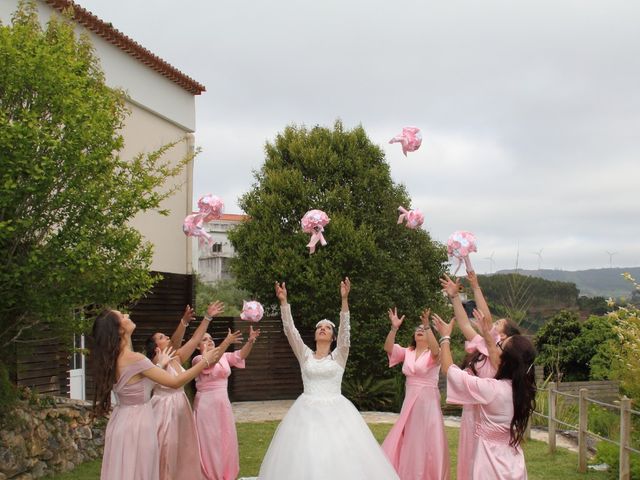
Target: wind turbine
x=611, y=254
x=491, y=262
x=539, y=255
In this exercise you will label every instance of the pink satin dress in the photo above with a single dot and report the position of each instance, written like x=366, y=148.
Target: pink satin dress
x=176, y=432
x=467, y=440
x=131, y=445
x=417, y=444
x=493, y=457
x=214, y=419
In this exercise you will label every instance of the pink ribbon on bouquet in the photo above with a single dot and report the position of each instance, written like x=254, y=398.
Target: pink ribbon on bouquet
x=414, y=218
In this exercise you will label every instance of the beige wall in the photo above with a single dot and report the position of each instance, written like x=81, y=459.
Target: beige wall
x=144, y=132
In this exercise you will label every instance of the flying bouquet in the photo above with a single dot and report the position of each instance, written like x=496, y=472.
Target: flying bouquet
x=413, y=218
x=460, y=245
x=410, y=138
x=252, y=311
x=313, y=223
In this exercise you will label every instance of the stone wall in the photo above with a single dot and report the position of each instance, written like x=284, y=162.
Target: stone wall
x=44, y=435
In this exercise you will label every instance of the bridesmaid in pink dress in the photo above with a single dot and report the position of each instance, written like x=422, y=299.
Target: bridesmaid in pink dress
x=131, y=447
x=417, y=444
x=177, y=436
x=477, y=362
x=504, y=403
x=212, y=411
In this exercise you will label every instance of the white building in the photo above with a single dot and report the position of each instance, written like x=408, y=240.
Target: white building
x=213, y=260
x=161, y=100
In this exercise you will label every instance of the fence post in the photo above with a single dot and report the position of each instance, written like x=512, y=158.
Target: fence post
x=583, y=426
x=625, y=437
x=552, y=417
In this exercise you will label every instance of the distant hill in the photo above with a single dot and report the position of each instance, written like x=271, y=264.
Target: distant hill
x=601, y=282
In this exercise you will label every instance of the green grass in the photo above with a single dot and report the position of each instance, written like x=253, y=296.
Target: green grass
x=254, y=439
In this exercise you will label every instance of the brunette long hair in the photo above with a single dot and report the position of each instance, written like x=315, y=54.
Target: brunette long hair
x=104, y=357
x=516, y=364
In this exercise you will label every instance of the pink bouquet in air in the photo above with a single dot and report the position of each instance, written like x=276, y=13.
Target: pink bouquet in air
x=410, y=138
x=460, y=245
x=413, y=218
x=193, y=227
x=252, y=311
x=211, y=206
x=314, y=222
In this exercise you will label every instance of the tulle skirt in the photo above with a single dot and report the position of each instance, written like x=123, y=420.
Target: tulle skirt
x=324, y=438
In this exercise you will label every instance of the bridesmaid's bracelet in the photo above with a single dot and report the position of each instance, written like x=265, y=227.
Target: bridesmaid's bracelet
x=394, y=329
x=208, y=318
x=446, y=338
x=207, y=360
x=183, y=323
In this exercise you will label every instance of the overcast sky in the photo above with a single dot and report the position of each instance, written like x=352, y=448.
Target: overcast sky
x=530, y=110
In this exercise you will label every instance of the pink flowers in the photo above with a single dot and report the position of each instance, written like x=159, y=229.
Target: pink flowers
x=413, y=218
x=314, y=222
x=460, y=245
x=210, y=208
x=252, y=311
x=410, y=138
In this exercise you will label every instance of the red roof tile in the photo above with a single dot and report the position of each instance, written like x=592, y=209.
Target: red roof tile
x=127, y=45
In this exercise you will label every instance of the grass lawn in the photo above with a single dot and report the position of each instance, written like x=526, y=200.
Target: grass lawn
x=254, y=439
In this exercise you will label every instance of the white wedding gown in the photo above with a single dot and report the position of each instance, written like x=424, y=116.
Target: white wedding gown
x=323, y=436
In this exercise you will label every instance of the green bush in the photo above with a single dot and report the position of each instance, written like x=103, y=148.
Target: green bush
x=8, y=392
x=226, y=291
x=368, y=394
x=610, y=454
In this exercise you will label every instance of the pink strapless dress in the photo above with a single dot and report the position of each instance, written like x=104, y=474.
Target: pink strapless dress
x=176, y=431
x=131, y=445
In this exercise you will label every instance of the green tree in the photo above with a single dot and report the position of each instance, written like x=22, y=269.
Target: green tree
x=344, y=174
x=557, y=349
x=65, y=196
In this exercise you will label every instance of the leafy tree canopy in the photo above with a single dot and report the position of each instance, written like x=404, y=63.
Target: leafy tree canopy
x=65, y=196
x=344, y=174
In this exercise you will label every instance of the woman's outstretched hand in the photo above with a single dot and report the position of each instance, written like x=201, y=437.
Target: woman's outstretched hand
x=214, y=309
x=443, y=328
x=188, y=315
x=233, y=337
x=281, y=293
x=345, y=287
x=396, y=322
x=253, y=334
x=450, y=287
x=424, y=316
x=164, y=356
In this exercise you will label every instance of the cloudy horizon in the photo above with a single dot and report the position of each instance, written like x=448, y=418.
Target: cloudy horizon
x=529, y=110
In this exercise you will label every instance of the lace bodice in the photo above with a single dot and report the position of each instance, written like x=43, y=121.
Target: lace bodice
x=320, y=377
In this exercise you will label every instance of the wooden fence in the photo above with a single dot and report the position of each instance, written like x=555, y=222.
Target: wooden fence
x=272, y=371
x=584, y=398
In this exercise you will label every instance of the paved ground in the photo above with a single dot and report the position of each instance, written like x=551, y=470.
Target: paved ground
x=276, y=410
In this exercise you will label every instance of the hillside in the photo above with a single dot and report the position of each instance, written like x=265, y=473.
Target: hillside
x=603, y=282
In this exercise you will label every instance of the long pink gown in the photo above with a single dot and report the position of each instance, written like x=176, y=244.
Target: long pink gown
x=493, y=457
x=176, y=431
x=214, y=419
x=417, y=444
x=467, y=440
x=131, y=445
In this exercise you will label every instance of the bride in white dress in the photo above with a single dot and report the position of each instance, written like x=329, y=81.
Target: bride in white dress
x=323, y=436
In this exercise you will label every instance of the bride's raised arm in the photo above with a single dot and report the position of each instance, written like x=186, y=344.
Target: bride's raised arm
x=344, y=330
x=290, y=330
